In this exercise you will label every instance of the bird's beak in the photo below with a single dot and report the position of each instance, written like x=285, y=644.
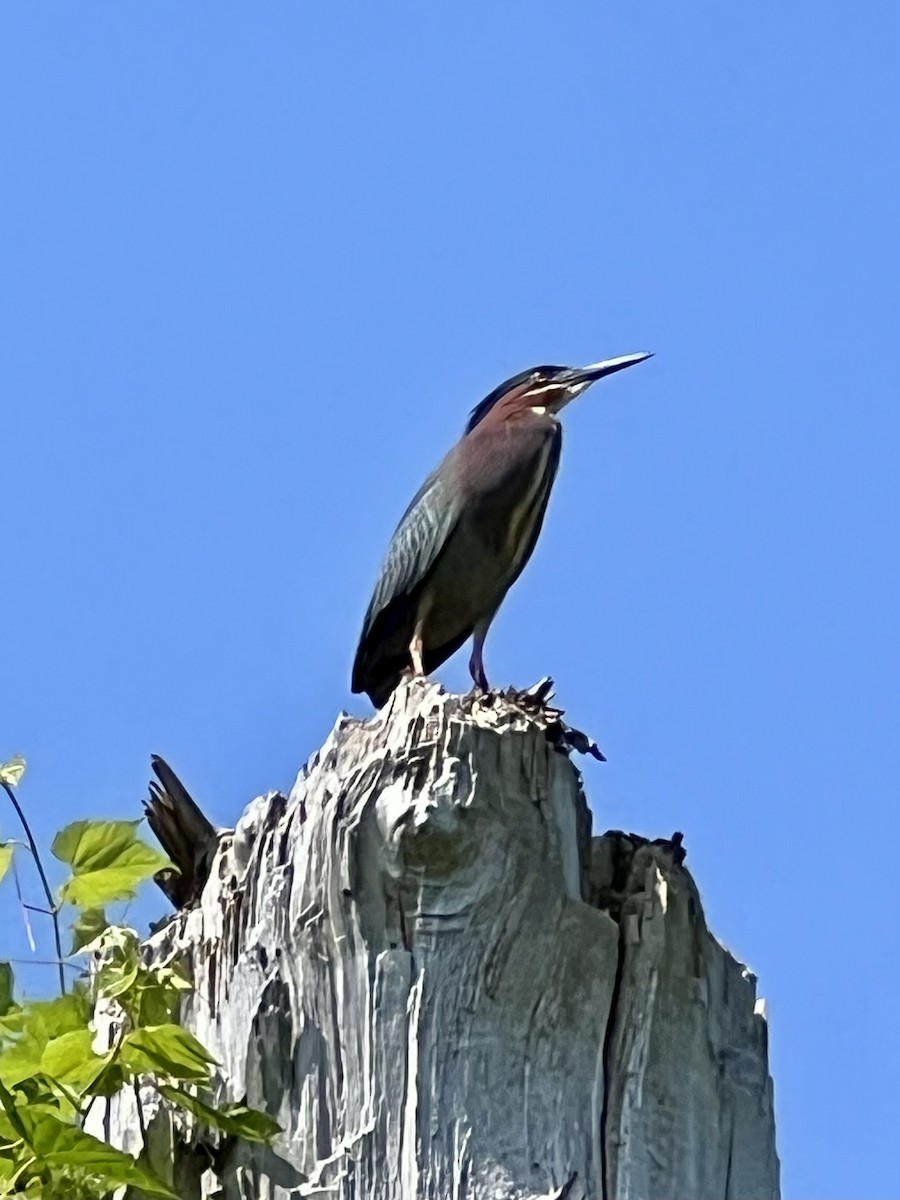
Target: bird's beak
x=579, y=378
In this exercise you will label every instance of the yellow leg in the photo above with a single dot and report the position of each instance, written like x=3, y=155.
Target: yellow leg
x=416, y=648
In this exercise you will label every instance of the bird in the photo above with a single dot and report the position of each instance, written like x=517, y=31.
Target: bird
x=469, y=530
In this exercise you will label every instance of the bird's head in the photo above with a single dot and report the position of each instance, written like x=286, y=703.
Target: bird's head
x=546, y=389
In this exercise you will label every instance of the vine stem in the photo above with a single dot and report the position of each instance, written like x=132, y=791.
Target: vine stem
x=53, y=910
x=140, y=1111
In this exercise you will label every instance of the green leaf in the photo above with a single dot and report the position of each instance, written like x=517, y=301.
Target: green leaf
x=40, y=1022
x=71, y=1060
x=6, y=857
x=11, y=1017
x=62, y=1055
x=158, y=993
x=59, y=1145
x=166, y=1050
x=119, y=951
x=109, y=1082
x=87, y=926
x=150, y=995
x=114, y=979
x=235, y=1119
x=48, y=1019
x=12, y=1022
x=12, y=770
x=108, y=861
x=11, y=1112
x=21, y=1060
x=6, y=987
x=92, y=845
x=9, y=1166
x=8, y=1134
x=119, y=940
x=66, y=1103
x=158, y=1004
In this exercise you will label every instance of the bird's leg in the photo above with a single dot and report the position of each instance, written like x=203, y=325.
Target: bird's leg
x=416, y=669
x=476, y=662
x=416, y=650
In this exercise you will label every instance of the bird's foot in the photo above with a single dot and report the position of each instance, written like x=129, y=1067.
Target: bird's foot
x=479, y=679
x=410, y=673
x=476, y=666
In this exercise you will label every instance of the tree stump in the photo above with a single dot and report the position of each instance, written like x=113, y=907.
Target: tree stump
x=443, y=988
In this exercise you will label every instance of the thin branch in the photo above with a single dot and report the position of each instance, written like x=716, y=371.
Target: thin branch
x=140, y=1111
x=43, y=962
x=35, y=853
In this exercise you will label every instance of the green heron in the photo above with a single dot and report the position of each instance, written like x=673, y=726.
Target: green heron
x=470, y=530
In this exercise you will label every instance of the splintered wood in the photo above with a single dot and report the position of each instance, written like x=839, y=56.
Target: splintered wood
x=424, y=967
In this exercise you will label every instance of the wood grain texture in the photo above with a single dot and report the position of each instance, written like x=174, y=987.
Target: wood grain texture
x=443, y=988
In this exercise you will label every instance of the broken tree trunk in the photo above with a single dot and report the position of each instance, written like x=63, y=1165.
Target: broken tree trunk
x=424, y=967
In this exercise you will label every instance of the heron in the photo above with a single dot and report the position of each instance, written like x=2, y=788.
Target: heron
x=469, y=530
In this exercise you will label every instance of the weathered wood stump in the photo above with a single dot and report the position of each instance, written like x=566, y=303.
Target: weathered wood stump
x=424, y=967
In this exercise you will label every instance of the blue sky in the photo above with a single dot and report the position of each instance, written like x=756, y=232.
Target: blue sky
x=258, y=263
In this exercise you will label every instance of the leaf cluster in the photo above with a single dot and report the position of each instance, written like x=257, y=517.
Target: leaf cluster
x=52, y=1067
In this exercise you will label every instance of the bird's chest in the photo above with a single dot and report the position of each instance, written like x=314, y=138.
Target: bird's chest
x=503, y=493
x=511, y=495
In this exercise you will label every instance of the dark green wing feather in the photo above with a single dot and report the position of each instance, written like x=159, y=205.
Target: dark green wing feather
x=422, y=533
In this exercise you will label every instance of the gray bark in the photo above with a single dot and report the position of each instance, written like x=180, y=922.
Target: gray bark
x=443, y=988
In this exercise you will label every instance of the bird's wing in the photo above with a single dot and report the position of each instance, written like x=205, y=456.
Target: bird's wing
x=419, y=538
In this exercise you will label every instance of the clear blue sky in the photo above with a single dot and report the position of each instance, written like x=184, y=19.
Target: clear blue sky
x=259, y=260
